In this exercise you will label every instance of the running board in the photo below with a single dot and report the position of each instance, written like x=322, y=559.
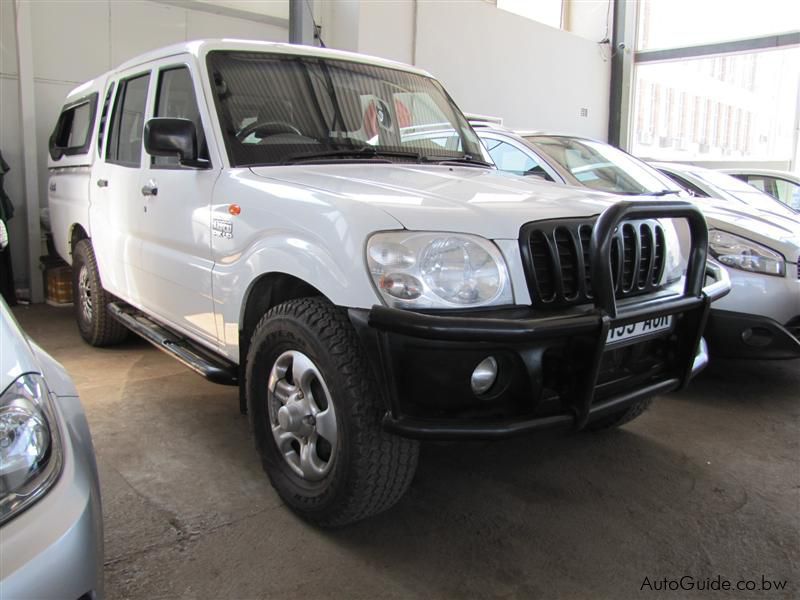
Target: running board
x=198, y=359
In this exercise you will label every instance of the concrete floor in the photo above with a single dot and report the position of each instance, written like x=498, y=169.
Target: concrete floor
x=706, y=483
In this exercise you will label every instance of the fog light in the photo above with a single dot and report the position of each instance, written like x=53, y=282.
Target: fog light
x=757, y=337
x=484, y=375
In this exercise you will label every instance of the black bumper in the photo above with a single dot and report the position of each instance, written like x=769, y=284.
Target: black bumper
x=739, y=335
x=554, y=369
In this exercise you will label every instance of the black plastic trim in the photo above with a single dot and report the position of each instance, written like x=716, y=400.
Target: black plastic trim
x=505, y=428
x=198, y=359
x=726, y=337
x=611, y=218
x=393, y=338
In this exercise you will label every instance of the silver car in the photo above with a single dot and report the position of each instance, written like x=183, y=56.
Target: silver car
x=51, y=525
x=756, y=237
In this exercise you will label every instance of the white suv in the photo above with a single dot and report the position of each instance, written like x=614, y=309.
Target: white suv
x=279, y=218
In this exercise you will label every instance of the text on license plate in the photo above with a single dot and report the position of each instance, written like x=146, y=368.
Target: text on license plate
x=646, y=327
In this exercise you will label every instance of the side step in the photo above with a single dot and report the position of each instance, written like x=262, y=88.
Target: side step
x=200, y=360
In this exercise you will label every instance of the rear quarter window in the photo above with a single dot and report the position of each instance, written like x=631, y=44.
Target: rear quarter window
x=72, y=133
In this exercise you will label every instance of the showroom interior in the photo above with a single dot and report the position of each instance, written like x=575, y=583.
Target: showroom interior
x=449, y=298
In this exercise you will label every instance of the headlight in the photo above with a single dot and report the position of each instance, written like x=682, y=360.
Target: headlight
x=740, y=253
x=30, y=447
x=675, y=264
x=437, y=270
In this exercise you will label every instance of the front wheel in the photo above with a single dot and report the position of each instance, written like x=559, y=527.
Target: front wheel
x=316, y=414
x=91, y=301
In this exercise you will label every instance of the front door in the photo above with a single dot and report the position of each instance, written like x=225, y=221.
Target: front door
x=176, y=226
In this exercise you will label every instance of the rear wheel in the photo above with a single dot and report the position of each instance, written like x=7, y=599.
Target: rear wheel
x=316, y=416
x=620, y=418
x=91, y=301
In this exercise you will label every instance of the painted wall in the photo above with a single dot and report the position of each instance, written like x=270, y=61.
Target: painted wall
x=496, y=63
x=73, y=42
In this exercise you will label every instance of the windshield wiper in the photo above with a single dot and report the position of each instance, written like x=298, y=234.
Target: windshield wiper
x=363, y=152
x=467, y=159
x=659, y=193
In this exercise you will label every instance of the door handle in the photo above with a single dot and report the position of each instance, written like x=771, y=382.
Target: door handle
x=102, y=183
x=150, y=189
x=53, y=186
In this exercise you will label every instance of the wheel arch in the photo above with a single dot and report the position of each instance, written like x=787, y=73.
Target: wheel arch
x=265, y=292
x=76, y=234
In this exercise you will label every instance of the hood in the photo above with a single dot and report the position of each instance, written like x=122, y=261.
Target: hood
x=779, y=233
x=472, y=200
x=16, y=354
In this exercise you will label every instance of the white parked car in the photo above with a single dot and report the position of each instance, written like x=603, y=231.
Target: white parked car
x=271, y=216
x=51, y=523
x=760, y=318
x=781, y=185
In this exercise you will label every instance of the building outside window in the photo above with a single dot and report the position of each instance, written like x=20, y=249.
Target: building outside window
x=738, y=106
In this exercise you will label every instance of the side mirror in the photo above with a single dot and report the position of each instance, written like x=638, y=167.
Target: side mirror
x=538, y=171
x=167, y=136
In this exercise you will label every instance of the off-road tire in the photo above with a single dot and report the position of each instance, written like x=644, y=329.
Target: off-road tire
x=372, y=468
x=101, y=329
x=618, y=419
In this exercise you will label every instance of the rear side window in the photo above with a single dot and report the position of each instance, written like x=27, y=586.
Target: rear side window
x=176, y=98
x=127, y=122
x=101, y=130
x=72, y=134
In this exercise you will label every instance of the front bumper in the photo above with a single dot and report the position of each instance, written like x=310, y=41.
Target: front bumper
x=554, y=370
x=54, y=549
x=740, y=335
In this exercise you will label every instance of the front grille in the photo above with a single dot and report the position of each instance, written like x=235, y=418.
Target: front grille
x=557, y=263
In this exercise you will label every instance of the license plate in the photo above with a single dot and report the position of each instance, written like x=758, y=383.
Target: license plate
x=642, y=328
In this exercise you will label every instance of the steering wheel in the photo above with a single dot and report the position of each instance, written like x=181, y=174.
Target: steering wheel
x=267, y=128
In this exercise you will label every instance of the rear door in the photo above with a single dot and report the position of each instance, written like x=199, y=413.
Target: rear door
x=116, y=211
x=176, y=228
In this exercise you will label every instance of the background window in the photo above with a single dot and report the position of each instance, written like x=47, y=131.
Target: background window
x=125, y=139
x=176, y=99
x=543, y=11
x=726, y=108
x=675, y=23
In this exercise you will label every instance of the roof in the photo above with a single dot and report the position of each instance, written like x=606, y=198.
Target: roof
x=767, y=172
x=201, y=47
x=677, y=167
x=529, y=132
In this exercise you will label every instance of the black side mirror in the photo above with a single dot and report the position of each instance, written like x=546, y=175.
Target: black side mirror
x=538, y=171
x=167, y=136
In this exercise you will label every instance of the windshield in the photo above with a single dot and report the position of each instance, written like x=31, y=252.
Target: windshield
x=602, y=167
x=276, y=108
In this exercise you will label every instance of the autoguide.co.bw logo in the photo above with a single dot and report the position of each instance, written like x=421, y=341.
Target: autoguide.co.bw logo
x=716, y=584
